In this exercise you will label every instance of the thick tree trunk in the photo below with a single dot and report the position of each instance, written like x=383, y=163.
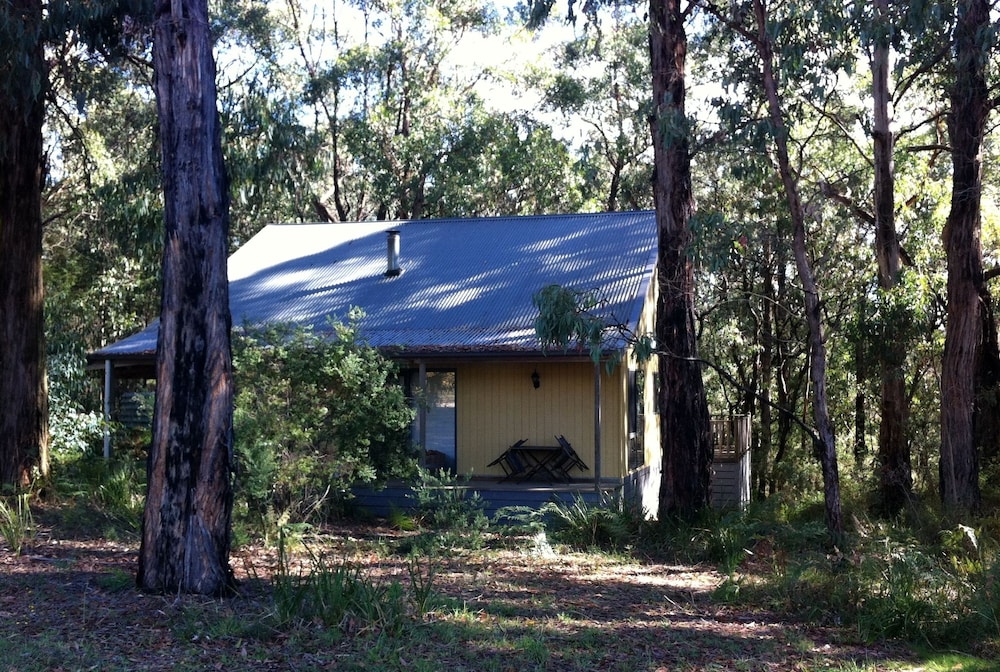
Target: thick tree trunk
x=824, y=443
x=894, y=473
x=959, y=464
x=23, y=394
x=684, y=421
x=186, y=526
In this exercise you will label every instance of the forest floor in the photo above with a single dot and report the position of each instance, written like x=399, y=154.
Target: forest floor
x=70, y=604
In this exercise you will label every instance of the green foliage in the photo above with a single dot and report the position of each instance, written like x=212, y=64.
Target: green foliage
x=453, y=513
x=888, y=584
x=120, y=492
x=613, y=523
x=401, y=127
x=445, y=502
x=568, y=318
x=17, y=526
x=73, y=430
x=600, y=80
x=314, y=414
x=343, y=595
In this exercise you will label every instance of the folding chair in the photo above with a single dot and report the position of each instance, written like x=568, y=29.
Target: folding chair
x=572, y=459
x=511, y=463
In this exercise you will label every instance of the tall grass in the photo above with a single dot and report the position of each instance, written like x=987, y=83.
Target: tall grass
x=16, y=522
x=341, y=594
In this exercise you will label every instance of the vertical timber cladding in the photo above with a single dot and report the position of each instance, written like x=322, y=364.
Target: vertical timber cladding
x=498, y=405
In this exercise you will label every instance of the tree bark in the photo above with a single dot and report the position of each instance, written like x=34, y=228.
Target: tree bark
x=959, y=463
x=762, y=445
x=824, y=443
x=186, y=525
x=684, y=421
x=23, y=394
x=894, y=473
x=987, y=412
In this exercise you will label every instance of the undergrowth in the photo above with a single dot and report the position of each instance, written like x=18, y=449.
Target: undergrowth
x=16, y=522
x=344, y=595
x=891, y=580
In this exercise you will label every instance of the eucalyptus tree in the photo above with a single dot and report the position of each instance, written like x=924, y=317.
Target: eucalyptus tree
x=503, y=163
x=186, y=523
x=405, y=114
x=685, y=433
x=71, y=30
x=599, y=80
x=272, y=155
x=902, y=44
x=780, y=43
x=685, y=436
x=23, y=403
x=895, y=478
x=967, y=290
x=103, y=232
x=747, y=323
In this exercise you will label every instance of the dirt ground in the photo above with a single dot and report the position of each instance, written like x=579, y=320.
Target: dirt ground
x=68, y=604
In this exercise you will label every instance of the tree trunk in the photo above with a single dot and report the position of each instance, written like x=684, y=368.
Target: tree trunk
x=186, y=525
x=959, y=464
x=894, y=474
x=987, y=412
x=763, y=438
x=23, y=394
x=684, y=421
x=824, y=444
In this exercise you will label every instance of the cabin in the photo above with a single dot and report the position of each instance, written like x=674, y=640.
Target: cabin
x=451, y=302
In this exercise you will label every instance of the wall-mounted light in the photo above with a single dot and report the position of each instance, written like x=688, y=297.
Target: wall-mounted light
x=535, y=380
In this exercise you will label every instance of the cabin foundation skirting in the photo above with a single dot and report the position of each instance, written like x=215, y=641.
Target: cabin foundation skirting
x=495, y=496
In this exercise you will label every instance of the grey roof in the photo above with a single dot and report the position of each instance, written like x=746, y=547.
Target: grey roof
x=466, y=284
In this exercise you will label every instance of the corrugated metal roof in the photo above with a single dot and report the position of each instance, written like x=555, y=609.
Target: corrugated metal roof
x=466, y=284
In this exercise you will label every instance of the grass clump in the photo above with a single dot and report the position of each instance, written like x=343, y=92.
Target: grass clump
x=614, y=523
x=343, y=595
x=16, y=522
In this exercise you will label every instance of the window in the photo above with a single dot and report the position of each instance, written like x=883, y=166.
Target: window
x=636, y=418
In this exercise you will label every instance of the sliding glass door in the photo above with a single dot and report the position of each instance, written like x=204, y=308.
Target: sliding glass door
x=434, y=426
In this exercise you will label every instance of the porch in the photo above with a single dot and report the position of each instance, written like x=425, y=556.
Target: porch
x=496, y=495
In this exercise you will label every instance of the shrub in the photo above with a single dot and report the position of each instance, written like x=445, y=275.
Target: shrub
x=613, y=523
x=73, y=429
x=314, y=413
x=444, y=503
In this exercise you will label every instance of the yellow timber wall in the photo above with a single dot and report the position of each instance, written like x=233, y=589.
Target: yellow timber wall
x=497, y=405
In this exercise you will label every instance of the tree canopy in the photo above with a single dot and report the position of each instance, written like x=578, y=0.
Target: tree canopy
x=359, y=110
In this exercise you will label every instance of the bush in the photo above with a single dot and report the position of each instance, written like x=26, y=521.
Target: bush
x=615, y=522
x=444, y=503
x=314, y=413
x=74, y=430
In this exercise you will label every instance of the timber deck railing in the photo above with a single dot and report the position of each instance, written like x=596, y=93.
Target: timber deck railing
x=731, y=437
